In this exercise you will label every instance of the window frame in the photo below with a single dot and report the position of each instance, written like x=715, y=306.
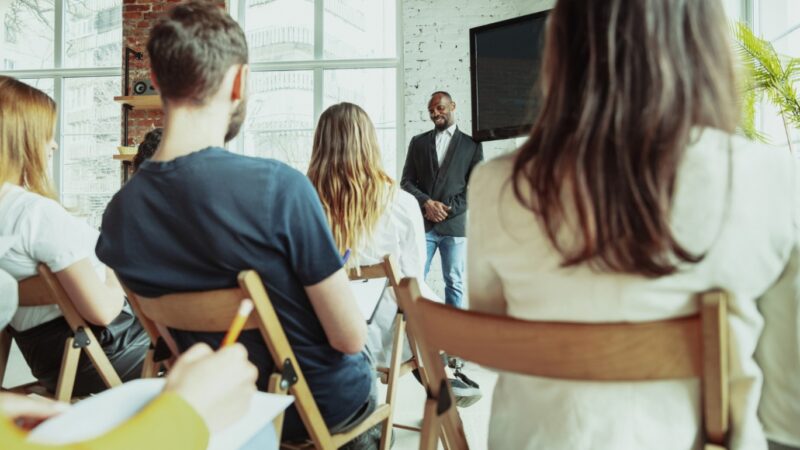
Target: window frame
x=59, y=74
x=318, y=66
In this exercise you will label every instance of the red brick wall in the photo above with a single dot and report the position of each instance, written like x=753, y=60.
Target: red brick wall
x=137, y=18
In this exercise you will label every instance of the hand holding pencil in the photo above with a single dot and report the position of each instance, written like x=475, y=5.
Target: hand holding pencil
x=245, y=308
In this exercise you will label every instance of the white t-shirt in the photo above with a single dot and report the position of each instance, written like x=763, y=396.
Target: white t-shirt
x=42, y=231
x=745, y=228
x=400, y=233
x=8, y=287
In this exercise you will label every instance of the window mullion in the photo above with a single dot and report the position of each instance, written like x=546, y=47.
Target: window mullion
x=58, y=39
x=400, y=113
x=58, y=94
x=58, y=159
x=319, y=29
x=319, y=42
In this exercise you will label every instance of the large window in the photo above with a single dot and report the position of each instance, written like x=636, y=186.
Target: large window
x=306, y=55
x=71, y=50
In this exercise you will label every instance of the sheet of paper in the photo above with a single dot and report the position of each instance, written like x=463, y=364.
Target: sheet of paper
x=96, y=415
x=368, y=294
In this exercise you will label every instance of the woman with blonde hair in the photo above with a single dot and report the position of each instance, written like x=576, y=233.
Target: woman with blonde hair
x=630, y=195
x=42, y=231
x=372, y=218
x=367, y=212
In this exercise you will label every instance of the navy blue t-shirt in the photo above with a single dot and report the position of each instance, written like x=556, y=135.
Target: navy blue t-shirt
x=193, y=223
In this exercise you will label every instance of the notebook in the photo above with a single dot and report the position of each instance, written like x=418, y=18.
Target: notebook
x=114, y=406
x=368, y=295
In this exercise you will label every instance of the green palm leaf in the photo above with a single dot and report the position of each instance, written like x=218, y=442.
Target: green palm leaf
x=766, y=73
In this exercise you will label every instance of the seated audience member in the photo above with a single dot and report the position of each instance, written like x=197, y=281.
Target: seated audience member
x=193, y=404
x=44, y=232
x=371, y=217
x=194, y=401
x=195, y=215
x=632, y=194
x=147, y=147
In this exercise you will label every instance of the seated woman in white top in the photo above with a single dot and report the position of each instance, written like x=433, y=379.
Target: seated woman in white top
x=630, y=195
x=42, y=231
x=367, y=212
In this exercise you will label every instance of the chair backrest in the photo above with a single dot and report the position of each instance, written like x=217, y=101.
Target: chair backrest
x=213, y=311
x=689, y=347
x=387, y=268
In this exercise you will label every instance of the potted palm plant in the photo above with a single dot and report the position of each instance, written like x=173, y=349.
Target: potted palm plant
x=769, y=75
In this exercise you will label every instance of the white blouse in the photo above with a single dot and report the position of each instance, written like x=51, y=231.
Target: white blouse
x=41, y=231
x=747, y=232
x=401, y=233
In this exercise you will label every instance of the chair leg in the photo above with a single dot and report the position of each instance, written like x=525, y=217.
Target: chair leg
x=149, y=367
x=101, y=362
x=5, y=351
x=274, y=387
x=69, y=370
x=429, y=436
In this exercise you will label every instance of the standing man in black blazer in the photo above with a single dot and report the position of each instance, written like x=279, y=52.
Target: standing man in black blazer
x=437, y=170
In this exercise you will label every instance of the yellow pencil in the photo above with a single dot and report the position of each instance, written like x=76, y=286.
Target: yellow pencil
x=245, y=308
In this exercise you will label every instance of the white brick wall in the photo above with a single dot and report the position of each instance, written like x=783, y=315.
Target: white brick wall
x=436, y=57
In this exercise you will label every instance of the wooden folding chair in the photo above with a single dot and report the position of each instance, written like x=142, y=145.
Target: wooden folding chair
x=45, y=289
x=396, y=369
x=689, y=347
x=213, y=311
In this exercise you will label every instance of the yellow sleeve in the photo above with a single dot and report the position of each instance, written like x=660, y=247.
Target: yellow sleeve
x=167, y=422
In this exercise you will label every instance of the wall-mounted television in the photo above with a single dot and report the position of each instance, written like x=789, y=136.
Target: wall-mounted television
x=504, y=66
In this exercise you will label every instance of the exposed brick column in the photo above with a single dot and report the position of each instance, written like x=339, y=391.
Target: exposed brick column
x=137, y=18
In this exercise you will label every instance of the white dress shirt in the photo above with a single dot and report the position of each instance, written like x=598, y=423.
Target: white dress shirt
x=443, y=139
x=400, y=233
x=743, y=224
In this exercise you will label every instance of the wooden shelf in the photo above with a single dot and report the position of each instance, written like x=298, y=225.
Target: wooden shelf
x=140, y=101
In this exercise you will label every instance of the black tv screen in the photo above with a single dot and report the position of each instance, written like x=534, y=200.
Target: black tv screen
x=504, y=66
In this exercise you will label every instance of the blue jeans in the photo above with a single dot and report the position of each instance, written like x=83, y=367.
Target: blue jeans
x=452, y=250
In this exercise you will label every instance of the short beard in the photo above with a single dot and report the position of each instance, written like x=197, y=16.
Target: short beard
x=236, y=120
x=443, y=126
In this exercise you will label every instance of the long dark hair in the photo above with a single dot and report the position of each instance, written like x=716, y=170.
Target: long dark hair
x=623, y=83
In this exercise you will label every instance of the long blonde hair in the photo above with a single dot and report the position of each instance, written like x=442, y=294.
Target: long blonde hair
x=27, y=120
x=346, y=170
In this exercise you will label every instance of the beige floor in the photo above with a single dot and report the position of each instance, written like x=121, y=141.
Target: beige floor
x=410, y=401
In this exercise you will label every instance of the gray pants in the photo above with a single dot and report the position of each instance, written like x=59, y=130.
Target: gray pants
x=371, y=439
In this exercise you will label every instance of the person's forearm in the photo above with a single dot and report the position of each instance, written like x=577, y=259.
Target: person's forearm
x=457, y=204
x=412, y=189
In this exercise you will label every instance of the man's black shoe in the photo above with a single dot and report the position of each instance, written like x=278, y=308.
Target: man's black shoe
x=466, y=391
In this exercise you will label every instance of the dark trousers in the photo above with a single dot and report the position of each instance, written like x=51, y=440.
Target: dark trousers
x=124, y=341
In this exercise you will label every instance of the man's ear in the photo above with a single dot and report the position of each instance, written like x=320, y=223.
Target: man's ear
x=452, y=106
x=153, y=80
x=240, y=82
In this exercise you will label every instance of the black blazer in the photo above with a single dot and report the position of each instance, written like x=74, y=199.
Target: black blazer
x=424, y=179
